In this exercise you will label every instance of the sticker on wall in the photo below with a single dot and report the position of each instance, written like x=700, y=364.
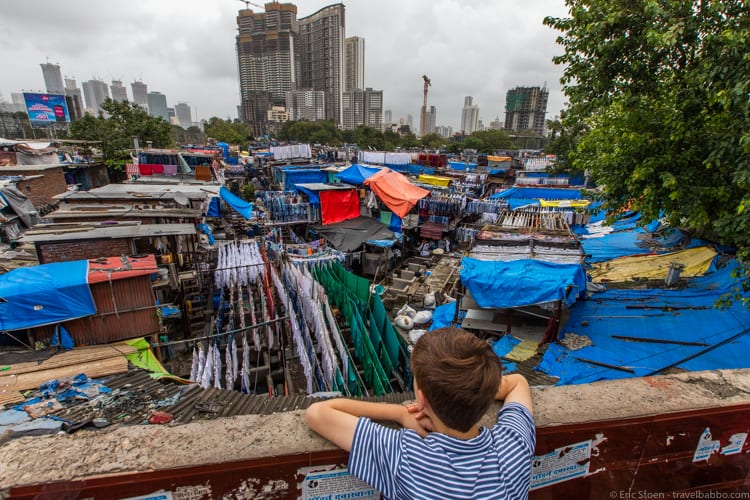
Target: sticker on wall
x=564, y=463
x=336, y=485
x=707, y=446
x=736, y=442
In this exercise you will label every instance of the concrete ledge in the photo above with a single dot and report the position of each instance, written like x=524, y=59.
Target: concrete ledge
x=88, y=454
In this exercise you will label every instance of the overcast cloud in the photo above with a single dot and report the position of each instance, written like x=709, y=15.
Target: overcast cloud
x=186, y=49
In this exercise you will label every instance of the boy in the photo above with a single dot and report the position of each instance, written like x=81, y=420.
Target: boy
x=442, y=452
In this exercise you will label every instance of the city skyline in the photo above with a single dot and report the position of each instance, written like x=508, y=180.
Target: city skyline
x=461, y=46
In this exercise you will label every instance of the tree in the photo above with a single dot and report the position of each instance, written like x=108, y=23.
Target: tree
x=473, y=142
x=432, y=141
x=115, y=132
x=321, y=132
x=191, y=135
x=563, y=137
x=228, y=131
x=661, y=87
x=494, y=140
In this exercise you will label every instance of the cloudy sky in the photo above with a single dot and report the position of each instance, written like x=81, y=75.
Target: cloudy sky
x=186, y=49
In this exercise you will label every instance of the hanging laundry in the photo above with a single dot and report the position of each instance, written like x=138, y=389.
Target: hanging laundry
x=228, y=380
x=208, y=370
x=194, y=368
x=245, y=365
x=217, y=366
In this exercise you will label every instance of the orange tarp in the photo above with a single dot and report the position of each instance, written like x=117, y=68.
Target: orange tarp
x=115, y=268
x=396, y=191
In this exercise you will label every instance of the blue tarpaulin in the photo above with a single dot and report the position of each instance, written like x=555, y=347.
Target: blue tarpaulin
x=416, y=169
x=658, y=323
x=443, y=315
x=244, y=208
x=461, y=165
x=523, y=282
x=535, y=193
x=294, y=176
x=45, y=295
x=356, y=174
x=312, y=196
x=214, y=207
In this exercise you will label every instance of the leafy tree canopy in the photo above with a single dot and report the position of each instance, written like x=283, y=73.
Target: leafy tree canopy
x=124, y=121
x=493, y=140
x=659, y=108
x=191, y=135
x=231, y=132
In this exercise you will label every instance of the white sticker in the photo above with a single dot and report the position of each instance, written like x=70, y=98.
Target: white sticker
x=736, y=442
x=336, y=485
x=564, y=463
x=706, y=447
x=161, y=495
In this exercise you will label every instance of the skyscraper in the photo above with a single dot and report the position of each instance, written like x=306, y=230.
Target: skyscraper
x=184, y=116
x=267, y=56
x=322, y=58
x=95, y=92
x=388, y=120
x=53, y=80
x=469, y=116
x=140, y=94
x=307, y=105
x=119, y=92
x=431, y=118
x=526, y=109
x=157, y=105
x=354, y=63
x=74, y=95
x=362, y=107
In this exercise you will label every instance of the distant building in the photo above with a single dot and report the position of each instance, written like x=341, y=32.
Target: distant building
x=184, y=114
x=469, y=116
x=526, y=109
x=410, y=121
x=118, y=90
x=157, y=105
x=17, y=104
x=75, y=97
x=322, y=58
x=362, y=107
x=140, y=94
x=309, y=105
x=430, y=119
x=388, y=118
x=496, y=124
x=354, y=63
x=95, y=92
x=53, y=79
x=277, y=114
x=11, y=126
x=444, y=131
x=268, y=58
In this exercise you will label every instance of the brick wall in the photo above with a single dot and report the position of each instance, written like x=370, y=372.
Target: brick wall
x=41, y=190
x=61, y=251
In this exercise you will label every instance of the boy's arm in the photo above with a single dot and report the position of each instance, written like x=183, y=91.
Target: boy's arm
x=515, y=388
x=336, y=419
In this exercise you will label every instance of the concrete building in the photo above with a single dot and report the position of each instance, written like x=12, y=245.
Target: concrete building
x=362, y=107
x=322, y=58
x=140, y=94
x=268, y=58
x=95, y=92
x=277, y=114
x=430, y=120
x=469, y=116
x=307, y=105
x=444, y=131
x=388, y=117
x=17, y=104
x=75, y=97
x=354, y=63
x=496, y=124
x=526, y=109
x=184, y=114
x=118, y=90
x=410, y=121
x=157, y=105
x=53, y=79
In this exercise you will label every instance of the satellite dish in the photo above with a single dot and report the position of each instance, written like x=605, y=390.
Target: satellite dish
x=181, y=198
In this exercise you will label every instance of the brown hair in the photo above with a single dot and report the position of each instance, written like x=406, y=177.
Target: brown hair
x=458, y=373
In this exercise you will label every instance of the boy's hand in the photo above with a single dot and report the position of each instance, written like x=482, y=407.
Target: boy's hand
x=414, y=418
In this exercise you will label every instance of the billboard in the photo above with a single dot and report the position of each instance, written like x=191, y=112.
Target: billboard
x=46, y=109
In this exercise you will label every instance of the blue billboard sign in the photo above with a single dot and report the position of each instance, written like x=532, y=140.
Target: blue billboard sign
x=46, y=109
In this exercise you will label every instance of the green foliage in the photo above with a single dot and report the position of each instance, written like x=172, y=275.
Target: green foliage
x=191, y=135
x=474, y=142
x=433, y=141
x=563, y=137
x=247, y=192
x=228, y=131
x=659, y=109
x=115, y=133
x=493, y=140
x=322, y=132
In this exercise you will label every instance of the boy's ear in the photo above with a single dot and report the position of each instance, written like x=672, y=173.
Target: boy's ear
x=421, y=400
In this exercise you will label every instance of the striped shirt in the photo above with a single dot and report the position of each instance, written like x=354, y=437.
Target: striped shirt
x=496, y=464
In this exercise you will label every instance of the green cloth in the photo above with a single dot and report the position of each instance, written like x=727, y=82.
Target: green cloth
x=145, y=358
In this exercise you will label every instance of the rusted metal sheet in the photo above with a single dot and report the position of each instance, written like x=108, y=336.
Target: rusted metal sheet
x=677, y=455
x=126, y=309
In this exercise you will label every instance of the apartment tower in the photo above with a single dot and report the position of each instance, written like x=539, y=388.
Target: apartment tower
x=526, y=109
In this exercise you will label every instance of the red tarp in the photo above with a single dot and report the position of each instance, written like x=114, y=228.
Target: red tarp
x=115, y=268
x=338, y=205
x=396, y=191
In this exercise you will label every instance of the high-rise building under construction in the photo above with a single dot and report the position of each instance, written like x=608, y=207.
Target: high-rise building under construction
x=526, y=109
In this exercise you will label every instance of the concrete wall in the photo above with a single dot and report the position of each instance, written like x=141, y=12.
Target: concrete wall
x=61, y=251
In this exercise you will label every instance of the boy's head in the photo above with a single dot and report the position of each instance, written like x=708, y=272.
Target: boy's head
x=458, y=374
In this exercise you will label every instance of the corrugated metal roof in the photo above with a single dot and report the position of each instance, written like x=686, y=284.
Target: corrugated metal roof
x=143, y=191
x=318, y=186
x=89, y=231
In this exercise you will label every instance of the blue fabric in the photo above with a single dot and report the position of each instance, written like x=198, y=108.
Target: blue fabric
x=505, y=344
x=461, y=165
x=416, y=169
x=242, y=207
x=300, y=176
x=613, y=245
x=522, y=282
x=206, y=229
x=443, y=315
x=356, y=174
x=495, y=171
x=62, y=338
x=395, y=224
x=312, y=196
x=686, y=315
x=214, y=207
x=45, y=295
x=535, y=193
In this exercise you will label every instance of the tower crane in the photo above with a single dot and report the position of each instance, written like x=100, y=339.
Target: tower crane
x=248, y=4
x=423, y=125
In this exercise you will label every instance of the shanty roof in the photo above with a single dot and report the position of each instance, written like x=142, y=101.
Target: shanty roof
x=89, y=231
x=124, y=210
x=114, y=268
x=30, y=168
x=143, y=191
x=317, y=186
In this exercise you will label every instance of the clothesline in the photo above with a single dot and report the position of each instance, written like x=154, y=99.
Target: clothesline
x=214, y=335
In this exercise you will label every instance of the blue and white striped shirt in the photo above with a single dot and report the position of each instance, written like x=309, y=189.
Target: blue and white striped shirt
x=496, y=464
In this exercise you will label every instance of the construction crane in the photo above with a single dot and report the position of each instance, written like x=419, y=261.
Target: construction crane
x=423, y=125
x=248, y=4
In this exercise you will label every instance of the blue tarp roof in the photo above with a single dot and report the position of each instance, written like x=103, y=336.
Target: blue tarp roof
x=308, y=176
x=686, y=315
x=357, y=173
x=45, y=295
x=521, y=282
x=243, y=207
x=461, y=165
x=534, y=193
